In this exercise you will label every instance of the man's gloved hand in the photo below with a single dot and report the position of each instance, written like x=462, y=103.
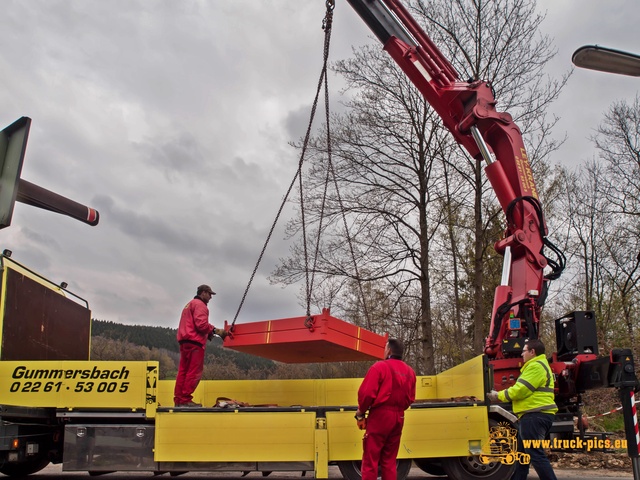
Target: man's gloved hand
x=210, y=336
x=361, y=420
x=221, y=333
x=362, y=423
x=492, y=396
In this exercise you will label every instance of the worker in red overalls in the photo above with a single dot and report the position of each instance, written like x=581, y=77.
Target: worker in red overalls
x=388, y=389
x=193, y=332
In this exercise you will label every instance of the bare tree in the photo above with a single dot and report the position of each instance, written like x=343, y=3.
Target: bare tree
x=585, y=209
x=383, y=150
x=618, y=142
x=606, y=245
x=500, y=42
x=618, y=185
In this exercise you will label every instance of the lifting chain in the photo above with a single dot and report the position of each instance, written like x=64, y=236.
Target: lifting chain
x=309, y=322
x=327, y=23
x=326, y=26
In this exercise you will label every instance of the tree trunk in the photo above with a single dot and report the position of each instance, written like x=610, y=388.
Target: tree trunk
x=478, y=276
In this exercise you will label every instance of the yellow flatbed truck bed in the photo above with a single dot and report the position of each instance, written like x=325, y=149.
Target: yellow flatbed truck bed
x=106, y=416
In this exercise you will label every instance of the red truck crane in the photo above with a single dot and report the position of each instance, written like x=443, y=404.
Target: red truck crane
x=468, y=110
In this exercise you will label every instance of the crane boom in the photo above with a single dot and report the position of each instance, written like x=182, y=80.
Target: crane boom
x=468, y=110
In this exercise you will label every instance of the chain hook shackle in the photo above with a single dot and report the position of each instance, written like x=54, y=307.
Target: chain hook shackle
x=328, y=18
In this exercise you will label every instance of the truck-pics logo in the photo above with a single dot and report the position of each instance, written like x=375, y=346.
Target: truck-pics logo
x=503, y=446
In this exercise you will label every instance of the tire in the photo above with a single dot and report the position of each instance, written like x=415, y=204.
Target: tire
x=470, y=468
x=474, y=467
x=351, y=470
x=430, y=466
x=24, y=468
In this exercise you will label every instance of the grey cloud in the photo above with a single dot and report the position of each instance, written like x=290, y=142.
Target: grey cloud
x=173, y=120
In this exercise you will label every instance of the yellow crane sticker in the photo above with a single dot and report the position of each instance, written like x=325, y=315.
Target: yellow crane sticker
x=503, y=446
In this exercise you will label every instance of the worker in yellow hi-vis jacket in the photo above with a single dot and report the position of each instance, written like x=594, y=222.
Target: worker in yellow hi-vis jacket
x=533, y=402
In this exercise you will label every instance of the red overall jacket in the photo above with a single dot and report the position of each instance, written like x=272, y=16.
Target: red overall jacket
x=194, y=322
x=378, y=388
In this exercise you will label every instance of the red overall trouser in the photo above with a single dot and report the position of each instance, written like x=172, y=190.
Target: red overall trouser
x=382, y=441
x=189, y=372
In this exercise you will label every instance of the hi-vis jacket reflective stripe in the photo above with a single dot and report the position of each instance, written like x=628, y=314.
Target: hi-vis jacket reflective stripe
x=533, y=391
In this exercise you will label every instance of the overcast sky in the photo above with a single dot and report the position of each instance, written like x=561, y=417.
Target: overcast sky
x=173, y=118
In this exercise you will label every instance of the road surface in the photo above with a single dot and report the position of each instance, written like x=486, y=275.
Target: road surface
x=54, y=472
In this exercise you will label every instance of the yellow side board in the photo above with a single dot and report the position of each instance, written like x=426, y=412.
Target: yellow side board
x=117, y=384
x=234, y=436
x=427, y=433
x=464, y=380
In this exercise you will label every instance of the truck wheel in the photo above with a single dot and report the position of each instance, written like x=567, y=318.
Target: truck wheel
x=430, y=466
x=351, y=470
x=471, y=468
x=24, y=468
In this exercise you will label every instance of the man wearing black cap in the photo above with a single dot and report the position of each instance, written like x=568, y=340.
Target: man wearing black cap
x=193, y=332
x=387, y=390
